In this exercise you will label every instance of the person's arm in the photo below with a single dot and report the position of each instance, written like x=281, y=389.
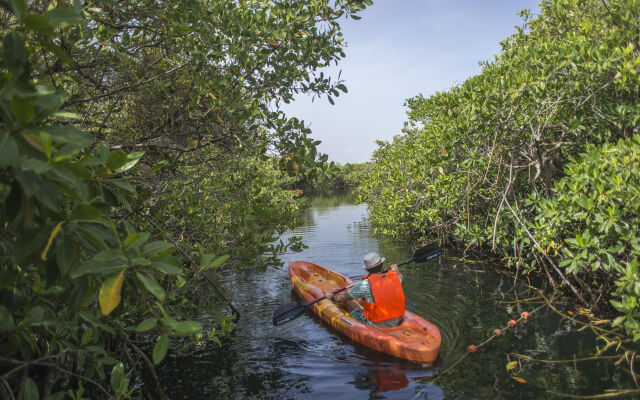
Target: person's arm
x=345, y=296
x=338, y=297
x=394, y=268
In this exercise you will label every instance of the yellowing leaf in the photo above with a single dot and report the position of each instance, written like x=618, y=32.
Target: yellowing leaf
x=109, y=296
x=212, y=96
x=219, y=118
x=511, y=365
x=52, y=236
x=272, y=42
x=518, y=379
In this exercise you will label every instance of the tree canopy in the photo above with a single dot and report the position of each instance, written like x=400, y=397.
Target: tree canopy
x=142, y=148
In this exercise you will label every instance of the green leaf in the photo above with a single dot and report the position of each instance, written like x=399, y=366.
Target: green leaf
x=124, y=184
x=23, y=110
x=132, y=159
x=39, y=23
x=6, y=320
x=160, y=349
x=150, y=283
x=158, y=249
x=135, y=239
x=46, y=106
x=67, y=115
x=35, y=165
x=30, y=242
x=5, y=190
x=63, y=17
x=64, y=253
x=217, y=262
x=63, y=134
x=85, y=212
x=58, y=51
x=19, y=7
x=117, y=377
x=147, y=325
x=184, y=328
x=168, y=265
x=159, y=165
x=618, y=320
x=8, y=278
x=9, y=153
x=87, y=337
x=93, y=267
x=116, y=159
x=15, y=53
x=34, y=315
x=30, y=390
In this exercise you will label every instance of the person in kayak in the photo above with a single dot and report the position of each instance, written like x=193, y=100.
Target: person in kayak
x=381, y=293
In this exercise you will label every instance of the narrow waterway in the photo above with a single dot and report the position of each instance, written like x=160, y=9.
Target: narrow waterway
x=306, y=359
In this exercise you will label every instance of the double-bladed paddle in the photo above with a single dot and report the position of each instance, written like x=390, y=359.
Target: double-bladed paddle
x=291, y=311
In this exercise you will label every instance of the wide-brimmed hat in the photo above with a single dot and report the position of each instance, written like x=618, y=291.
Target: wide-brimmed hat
x=372, y=260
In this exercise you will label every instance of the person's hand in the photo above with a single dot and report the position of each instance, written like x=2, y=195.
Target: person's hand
x=394, y=267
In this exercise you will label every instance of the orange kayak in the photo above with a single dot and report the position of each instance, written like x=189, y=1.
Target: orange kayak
x=414, y=339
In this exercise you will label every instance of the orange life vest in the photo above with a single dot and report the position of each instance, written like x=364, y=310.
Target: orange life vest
x=388, y=297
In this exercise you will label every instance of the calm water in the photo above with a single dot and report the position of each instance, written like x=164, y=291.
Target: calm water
x=306, y=359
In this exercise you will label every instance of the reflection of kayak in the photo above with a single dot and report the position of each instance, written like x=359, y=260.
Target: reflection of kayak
x=414, y=339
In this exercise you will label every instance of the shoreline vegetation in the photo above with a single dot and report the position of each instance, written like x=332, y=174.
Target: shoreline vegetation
x=142, y=152
x=535, y=161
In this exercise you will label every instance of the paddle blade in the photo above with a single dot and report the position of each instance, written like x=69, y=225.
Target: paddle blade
x=288, y=312
x=423, y=251
x=428, y=256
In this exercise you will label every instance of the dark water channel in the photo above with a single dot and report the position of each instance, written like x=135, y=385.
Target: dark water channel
x=306, y=359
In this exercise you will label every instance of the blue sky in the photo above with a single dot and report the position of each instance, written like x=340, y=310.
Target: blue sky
x=399, y=49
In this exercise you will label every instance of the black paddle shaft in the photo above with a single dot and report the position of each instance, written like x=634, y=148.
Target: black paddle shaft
x=293, y=310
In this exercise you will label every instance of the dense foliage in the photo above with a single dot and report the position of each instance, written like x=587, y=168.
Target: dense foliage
x=533, y=158
x=339, y=176
x=137, y=147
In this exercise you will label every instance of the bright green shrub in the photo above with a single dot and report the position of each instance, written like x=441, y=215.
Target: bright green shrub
x=471, y=157
x=592, y=221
